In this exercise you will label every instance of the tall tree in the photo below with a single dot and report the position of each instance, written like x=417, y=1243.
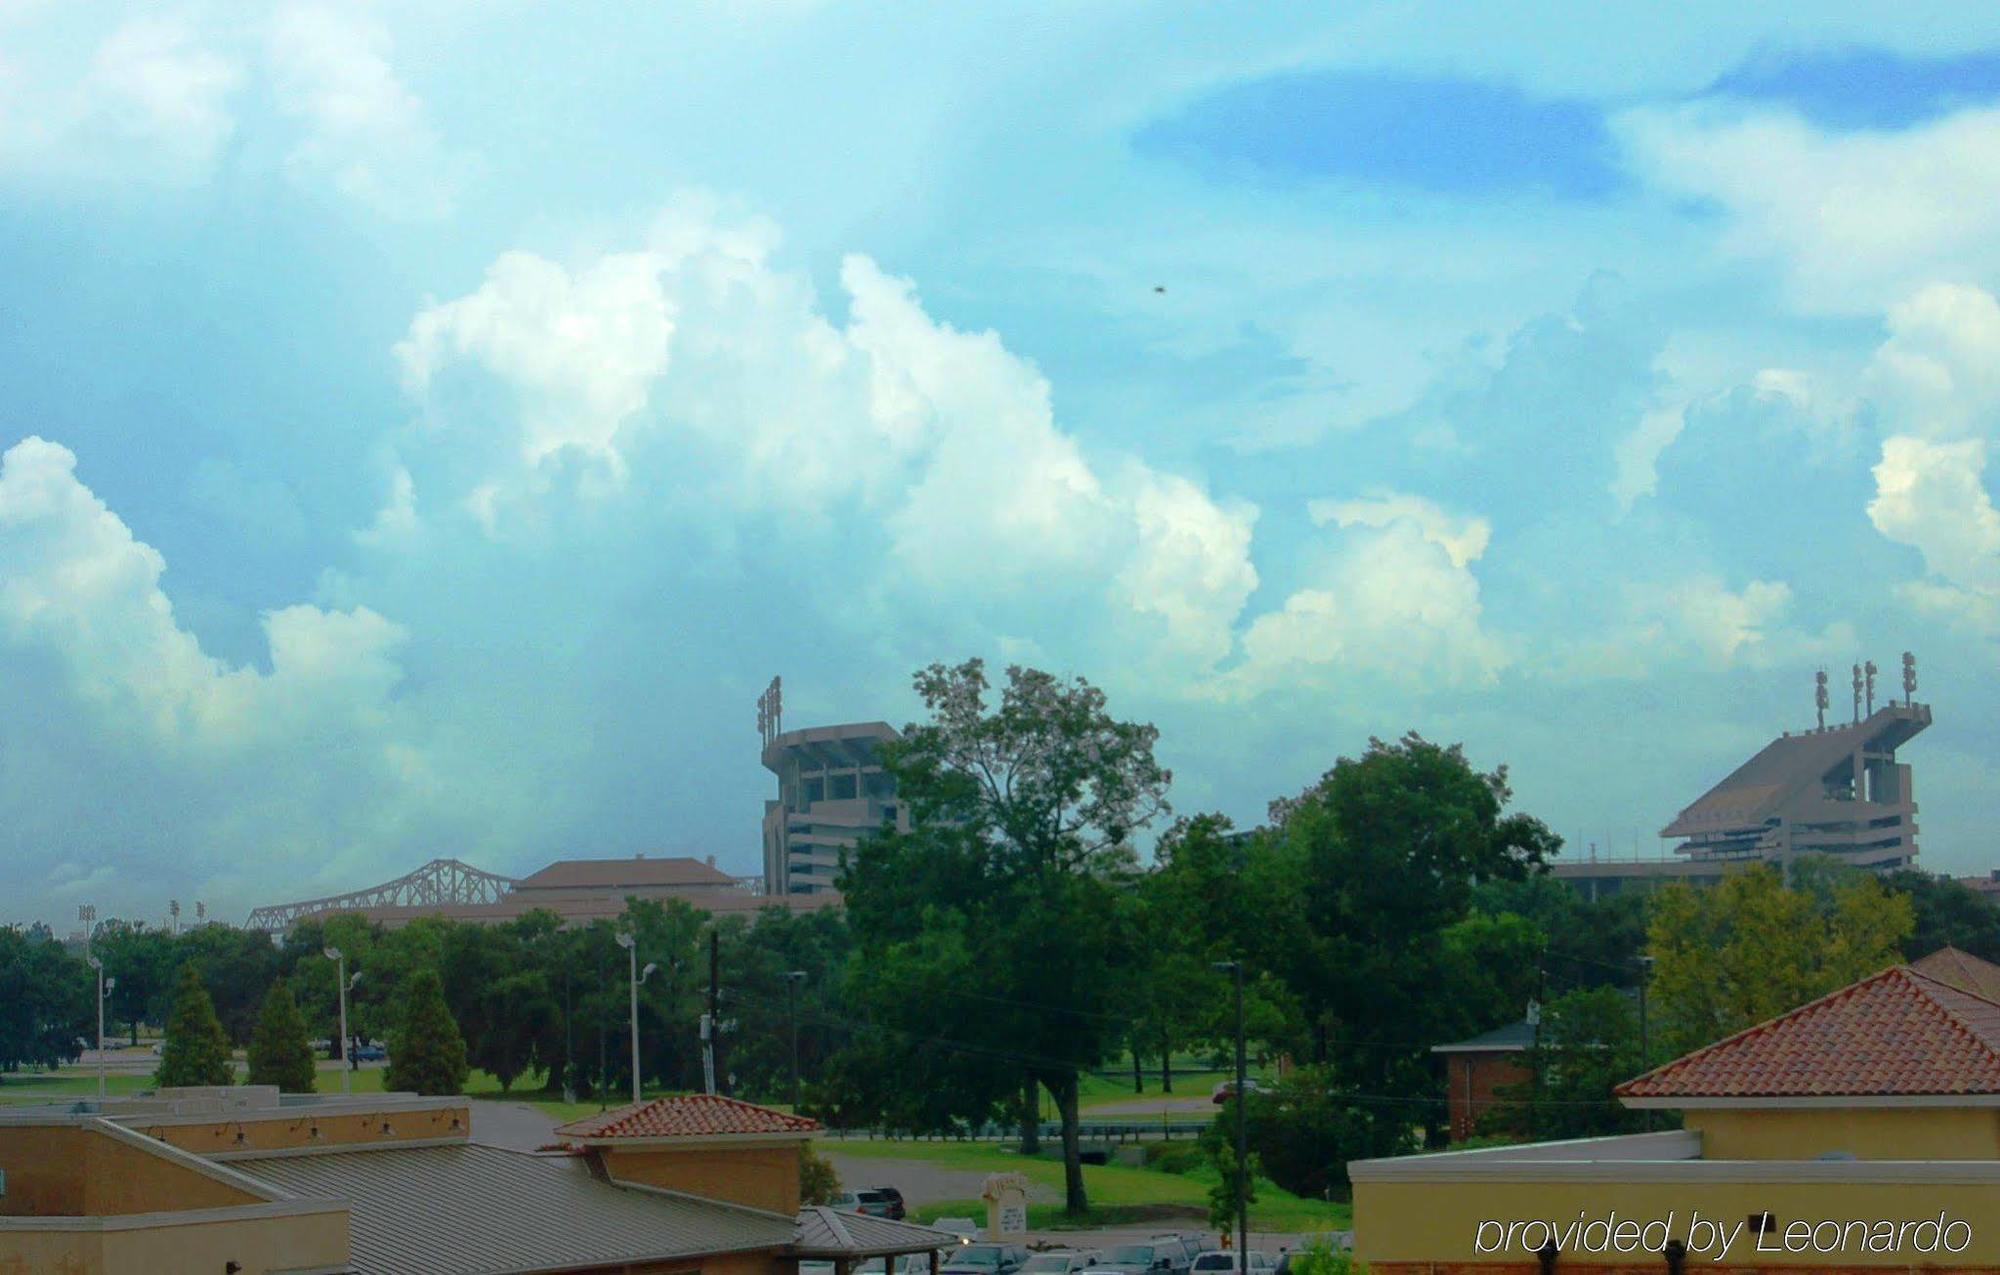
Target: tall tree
x=1750, y=947
x=45, y=1005
x=195, y=1051
x=143, y=960
x=426, y=1050
x=1946, y=913
x=1393, y=846
x=1014, y=872
x=279, y=1052
x=1587, y=1044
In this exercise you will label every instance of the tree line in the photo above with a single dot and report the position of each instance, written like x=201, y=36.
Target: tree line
x=1011, y=942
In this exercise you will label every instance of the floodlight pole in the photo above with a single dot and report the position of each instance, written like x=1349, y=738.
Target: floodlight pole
x=1235, y=969
x=102, y=1084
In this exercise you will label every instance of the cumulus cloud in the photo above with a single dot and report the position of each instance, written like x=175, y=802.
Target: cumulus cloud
x=693, y=372
x=1854, y=219
x=1937, y=379
x=1700, y=621
x=364, y=132
x=1394, y=598
x=288, y=768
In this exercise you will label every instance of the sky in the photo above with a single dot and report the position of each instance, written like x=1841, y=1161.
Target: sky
x=425, y=428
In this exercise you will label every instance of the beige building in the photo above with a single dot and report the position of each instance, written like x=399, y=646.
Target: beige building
x=245, y=1181
x=831, y=790
x=1858, y=1132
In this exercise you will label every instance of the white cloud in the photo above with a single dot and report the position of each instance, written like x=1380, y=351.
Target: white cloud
x=365, y=132
x=1937, y=377
x=1396, y=600
x=1853, y=219
x=695, y=374
x=152, y=105
x=77, y=584
x=1700, y=620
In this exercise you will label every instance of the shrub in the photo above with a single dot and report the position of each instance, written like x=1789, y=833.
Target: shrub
x=818, y=1183
x=1306, y=1130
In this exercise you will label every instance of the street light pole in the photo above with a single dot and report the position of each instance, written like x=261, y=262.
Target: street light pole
x=792, y=981
x=631, y=946
x=1645, y=1044
x=1235, y=969
x=102, y=991
x=339, y=959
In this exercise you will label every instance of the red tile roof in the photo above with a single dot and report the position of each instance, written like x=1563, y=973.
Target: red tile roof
x=1898, y=1032
x=1962, y=970
x=687, y=1116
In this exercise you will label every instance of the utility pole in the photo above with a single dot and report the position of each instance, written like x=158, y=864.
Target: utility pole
x=1645, y=1043
x=792, y=981
x=339, y=959
x=104, y=986
x=1235, y=969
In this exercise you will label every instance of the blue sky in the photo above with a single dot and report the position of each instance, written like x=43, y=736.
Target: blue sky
x=426, y=427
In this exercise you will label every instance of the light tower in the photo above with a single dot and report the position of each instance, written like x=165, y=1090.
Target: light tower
x=1909, y=679
x=1869, y=669
x=1819, y=696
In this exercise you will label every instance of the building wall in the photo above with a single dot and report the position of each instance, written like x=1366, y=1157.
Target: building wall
x=764, y=1176
x=1430, y=1227
x=1881, y=1133
x=283, y=1130
x=1473, y=1084
x=70, y=1171
x=259, y=1246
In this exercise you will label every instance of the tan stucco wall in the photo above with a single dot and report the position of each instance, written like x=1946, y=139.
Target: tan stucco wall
x=267, y=1131
x=1880, y=1133
x=71, y=1171
x=1406, y=1227
x=764, y=1176
x=259, y=1245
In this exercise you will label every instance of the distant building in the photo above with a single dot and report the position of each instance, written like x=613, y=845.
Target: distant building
x=1833, y=790
x=578, y=891
x=831, y=790
x=1986, y=887
x=1476, y=1070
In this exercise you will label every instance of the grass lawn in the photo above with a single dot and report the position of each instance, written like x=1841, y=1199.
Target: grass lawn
x=1118, y=1193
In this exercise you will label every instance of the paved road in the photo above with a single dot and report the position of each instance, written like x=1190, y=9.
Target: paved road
x=1199, y=1104
x=514, y=1125
x=920, y=1181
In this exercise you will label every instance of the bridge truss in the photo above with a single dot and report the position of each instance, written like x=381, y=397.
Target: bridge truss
x=441, y=881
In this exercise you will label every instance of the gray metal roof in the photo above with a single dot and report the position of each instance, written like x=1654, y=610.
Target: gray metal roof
x=479, y=1210
x=1512, y=1038
x=825, y=1232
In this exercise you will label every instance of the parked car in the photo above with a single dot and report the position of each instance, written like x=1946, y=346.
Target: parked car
x=874, y=1204
x=371, y=1052
x=1226, y=1090
x=908, y=1264
x=986, y=1259
x=964, y=1228
x=845, y=1202
x=893, y=1198
x=1060, y=1261
x=1163, y=1253
x=1217, y=1259
x=1192, y=1246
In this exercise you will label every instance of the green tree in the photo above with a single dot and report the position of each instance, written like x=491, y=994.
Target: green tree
x=1750, y=948
x=45, y=994
x=1946, y=914
x=426, y=1051
x=1392, y=848
x=144, y=962
x=1587, y=1044
x=818, y=1182
x=1230, y=1190
x=1015, y=874
x=279, y=1052
x=237, y=967
x=1305, y=1130
x=196, y=1051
